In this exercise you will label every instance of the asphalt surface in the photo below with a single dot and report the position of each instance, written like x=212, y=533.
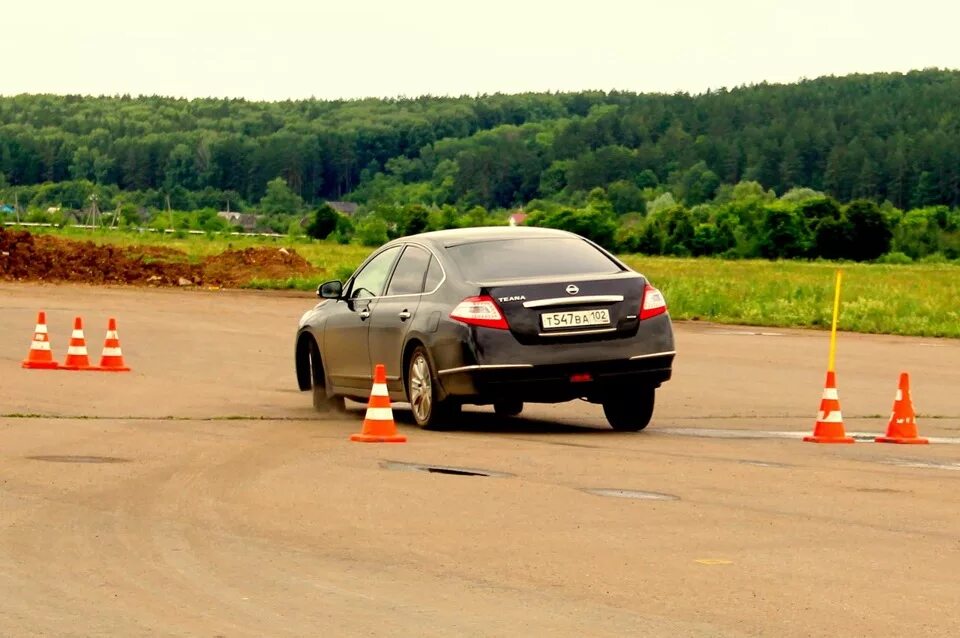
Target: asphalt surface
x=201, y=495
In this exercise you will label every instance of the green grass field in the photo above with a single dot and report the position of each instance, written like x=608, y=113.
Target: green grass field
x=890, y=299
x=916, y=299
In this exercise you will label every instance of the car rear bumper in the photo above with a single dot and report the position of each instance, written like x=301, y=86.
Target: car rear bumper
x=554, y=383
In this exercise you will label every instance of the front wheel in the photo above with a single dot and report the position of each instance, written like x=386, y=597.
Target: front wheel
x=428, y=411
x=630, y=413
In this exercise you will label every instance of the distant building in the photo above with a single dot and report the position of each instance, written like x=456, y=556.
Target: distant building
x=7, y=208
x=247, y=221
x=344, y=208
x=518, y=219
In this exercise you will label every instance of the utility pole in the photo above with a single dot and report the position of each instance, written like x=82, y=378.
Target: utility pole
x=94, y=211
x=16, y=205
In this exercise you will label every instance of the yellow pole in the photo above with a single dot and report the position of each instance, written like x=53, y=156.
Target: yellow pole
x=831, y=367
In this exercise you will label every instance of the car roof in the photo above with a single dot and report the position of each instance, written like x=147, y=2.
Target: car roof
x=454, y=237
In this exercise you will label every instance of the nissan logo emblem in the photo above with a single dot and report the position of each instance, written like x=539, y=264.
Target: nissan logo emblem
x=572, y=290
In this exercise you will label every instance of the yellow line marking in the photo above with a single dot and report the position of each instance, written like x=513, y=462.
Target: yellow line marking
x=713, y=561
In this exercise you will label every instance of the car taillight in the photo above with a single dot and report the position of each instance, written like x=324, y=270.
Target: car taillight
x=653, y=303
x=480, y=311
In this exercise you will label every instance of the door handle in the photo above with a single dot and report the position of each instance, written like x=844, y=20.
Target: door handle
x=364, y=314
x=404, y=315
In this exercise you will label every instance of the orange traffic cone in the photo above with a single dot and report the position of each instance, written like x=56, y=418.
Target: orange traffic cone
x=112, y=358
x=40, y=356
x=829, y=426
x=903, y=422
x=77, y=358
x=378, y=425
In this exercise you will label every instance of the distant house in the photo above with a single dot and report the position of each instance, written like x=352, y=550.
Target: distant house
x=518, y=219
x=246, y=221
x=344, y=208
x=7, y=208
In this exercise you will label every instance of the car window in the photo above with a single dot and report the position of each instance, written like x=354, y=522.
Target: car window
x=408, y=276
x=369, y=282
x=531, y=257
x=434, y=276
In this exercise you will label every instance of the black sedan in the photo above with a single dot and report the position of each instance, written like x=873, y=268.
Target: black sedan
x=484, y=316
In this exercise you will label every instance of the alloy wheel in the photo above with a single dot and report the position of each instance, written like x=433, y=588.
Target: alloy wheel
x=421, y=388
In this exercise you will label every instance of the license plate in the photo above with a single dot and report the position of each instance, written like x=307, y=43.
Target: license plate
x=575, y=319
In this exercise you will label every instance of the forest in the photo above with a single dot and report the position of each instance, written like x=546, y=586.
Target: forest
x=799, y=170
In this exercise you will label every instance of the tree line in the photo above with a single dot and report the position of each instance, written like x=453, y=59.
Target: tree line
x=888, y=137
x=858, y=167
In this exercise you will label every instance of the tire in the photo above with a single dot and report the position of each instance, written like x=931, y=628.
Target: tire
x=429, y=412
x=508, y=407
x=631, y=413
x=321, y=402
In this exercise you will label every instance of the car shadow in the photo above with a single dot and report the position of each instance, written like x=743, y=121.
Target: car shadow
x=481, y=421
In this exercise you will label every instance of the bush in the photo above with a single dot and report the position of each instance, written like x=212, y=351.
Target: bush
x=783, y=234
x=895, y=258
x=324, y=222
x=831, y=238
x=415, y=220
x=679, y=231
x=934, y=258
x=870, y=233
x=344, y=231
x=599, y=226
x=372, y=231
x=710, y=239
x=649, y=240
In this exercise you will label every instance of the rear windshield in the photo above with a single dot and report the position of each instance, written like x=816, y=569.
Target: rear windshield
x=531, y=257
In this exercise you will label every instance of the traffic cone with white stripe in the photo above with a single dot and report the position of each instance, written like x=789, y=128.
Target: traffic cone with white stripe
x=903, y=422
x=829, y=426
x=40, y=356
x=77, y=358
x=111, y=360
x=378, y=425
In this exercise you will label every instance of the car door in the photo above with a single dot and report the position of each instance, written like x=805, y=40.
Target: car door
x=393, y=314
x=346, y=352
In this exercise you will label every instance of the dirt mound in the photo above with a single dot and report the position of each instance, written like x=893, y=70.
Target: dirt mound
x=26, y=257
x=155, y=253
x=44, y=258
x=237, y=267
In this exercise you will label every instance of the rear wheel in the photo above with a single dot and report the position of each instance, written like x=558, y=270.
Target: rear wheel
x=428, y=411
x=630, y=413
x=508, y=407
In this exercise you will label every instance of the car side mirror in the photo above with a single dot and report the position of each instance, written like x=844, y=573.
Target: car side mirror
x=330, y=290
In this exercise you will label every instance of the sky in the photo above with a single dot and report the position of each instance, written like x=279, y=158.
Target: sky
x=291, y=49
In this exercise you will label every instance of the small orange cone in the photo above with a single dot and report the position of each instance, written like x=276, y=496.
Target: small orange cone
x=829, y=426
x=112, y=358
x=378, y=425
x=77, y=358
x=40, y=356
x=903, y=422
